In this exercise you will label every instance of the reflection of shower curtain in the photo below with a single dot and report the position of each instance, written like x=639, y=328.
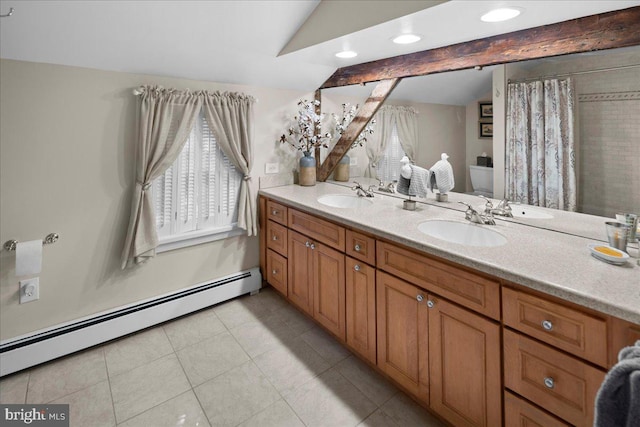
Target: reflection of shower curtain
x=540, y=156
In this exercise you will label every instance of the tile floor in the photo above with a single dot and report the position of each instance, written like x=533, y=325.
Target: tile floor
x=252, y=361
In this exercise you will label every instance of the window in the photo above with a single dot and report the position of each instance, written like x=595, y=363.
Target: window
x=389, y=164
x=196, y=198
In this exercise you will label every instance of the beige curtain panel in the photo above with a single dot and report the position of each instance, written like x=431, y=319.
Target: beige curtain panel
x=166, y=119
x=230, y=116
x=378, y=140
x=406, y=122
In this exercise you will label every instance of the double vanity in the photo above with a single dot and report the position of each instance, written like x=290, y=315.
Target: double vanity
x=485, y=325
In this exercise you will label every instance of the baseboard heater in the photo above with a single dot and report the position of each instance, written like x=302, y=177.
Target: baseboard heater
x=48, y=344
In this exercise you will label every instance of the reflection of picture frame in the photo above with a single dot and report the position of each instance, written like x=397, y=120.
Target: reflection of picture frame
x=485, y=130
x=486, y=109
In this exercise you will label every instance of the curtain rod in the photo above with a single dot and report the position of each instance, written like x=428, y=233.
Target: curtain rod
x=599, y=70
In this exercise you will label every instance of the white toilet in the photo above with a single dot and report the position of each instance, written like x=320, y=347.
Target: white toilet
x=481, y=180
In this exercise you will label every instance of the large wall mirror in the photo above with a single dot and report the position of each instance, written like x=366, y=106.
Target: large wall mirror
x=606, y=122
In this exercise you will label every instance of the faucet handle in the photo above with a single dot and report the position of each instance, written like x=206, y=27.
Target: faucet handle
x=356, y=186
x=488, y=204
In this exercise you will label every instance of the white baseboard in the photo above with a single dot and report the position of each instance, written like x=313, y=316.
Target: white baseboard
x=47, y=344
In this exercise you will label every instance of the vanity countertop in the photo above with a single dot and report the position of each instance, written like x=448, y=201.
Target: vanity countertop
x=557, y=263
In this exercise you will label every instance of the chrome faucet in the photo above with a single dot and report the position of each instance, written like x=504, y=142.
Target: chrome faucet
x=477, y=218
x=389, y=188
x=361, y=192
x=503, y=208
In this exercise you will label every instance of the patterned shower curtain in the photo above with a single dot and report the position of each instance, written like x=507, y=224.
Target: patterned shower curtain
x=540, y=149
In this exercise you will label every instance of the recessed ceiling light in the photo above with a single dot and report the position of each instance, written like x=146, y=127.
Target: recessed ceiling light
x=407, y=39
x=346, y=54
x=499, y=15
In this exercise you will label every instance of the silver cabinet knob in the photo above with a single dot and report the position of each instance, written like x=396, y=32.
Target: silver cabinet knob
x=547, y=325
x=274, y=238
x=430, y=304
x=313, y=246
x=356, y=248
x=419, y=298
x=549, y=382
x=274, y=271
x=356, y=267
x=307, y=244
x=274, y=212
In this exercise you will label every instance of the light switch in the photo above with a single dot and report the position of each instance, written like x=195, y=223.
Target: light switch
x=271, y=168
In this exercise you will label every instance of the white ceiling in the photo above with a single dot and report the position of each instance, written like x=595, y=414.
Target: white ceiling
x=239, y=41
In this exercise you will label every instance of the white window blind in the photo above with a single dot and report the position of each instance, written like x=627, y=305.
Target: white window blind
x=199, y=192
x=389, y=164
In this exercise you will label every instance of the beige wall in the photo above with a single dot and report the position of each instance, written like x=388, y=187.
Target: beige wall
x=67, y=140
x=475, y=146
x=441, y=129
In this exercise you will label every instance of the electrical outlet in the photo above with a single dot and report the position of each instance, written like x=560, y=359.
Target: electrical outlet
x=353, y=161
x=29, y=290
x=271, y=168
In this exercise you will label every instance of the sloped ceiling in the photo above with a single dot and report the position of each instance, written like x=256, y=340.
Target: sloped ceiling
x=261, y=43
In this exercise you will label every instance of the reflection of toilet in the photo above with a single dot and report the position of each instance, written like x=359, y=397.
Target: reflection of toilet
x=481, y=180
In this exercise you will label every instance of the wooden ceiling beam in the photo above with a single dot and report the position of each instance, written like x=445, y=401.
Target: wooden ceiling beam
x=357, y=125
x=597, y=32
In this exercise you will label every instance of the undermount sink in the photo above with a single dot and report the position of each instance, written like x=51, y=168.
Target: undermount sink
x=526, y=211
x=463, y=233
x=344, y=201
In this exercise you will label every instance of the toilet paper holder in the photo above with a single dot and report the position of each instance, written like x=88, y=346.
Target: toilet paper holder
x=10, y=245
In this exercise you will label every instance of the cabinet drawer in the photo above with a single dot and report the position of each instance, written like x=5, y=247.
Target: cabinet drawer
x=467, y=289
x=561, y=384
x=519, y=412
x=361, y=247
x=318, y=229
x=566, y=328
x=277, y=238
x=277, y=271
x=276, y=212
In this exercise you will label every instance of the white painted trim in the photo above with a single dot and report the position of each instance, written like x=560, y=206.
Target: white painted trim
x=56, y=342
x=198, y=237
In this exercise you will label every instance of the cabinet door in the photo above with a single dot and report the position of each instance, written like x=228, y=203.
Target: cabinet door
x=464, y=365
x=277, y=271
x=403, y=333
x=361, y=308
x=299, y=266
x=328, y=289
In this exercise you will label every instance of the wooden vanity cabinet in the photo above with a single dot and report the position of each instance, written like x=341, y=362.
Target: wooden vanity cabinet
x=300, y=271
x=316, y=282
x=360, y=299
x=445, y=355
x=464, y=365
x=403, y=333
x=550, y=349
x=459, y=341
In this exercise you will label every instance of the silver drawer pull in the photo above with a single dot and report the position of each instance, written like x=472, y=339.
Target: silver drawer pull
x=356, y=267
x=307, y=244
x=547, y=325
x=313, y=246
x=549, y=382
x=274, y=212
x=430, y=304
x=274, y=238
x=356, y=248
x=419, y=298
